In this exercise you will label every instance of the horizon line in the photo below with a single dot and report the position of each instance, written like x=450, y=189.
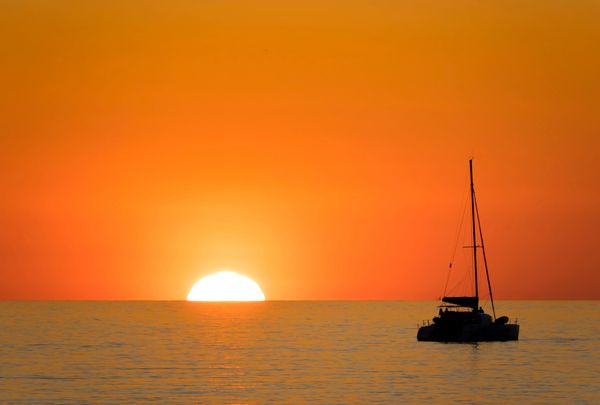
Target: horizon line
x=277, y=300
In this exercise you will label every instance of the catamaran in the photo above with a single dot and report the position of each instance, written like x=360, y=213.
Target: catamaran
x=461, y=319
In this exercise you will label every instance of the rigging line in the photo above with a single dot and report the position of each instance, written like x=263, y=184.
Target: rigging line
x=461, y=283
x=487, y=274
x=458, y=287
x=457, y=233
x=460, y=224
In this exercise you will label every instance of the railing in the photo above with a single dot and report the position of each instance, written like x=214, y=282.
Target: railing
x=425, y=323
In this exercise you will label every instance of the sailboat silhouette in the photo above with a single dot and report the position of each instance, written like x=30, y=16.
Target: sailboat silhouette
x=462, y=319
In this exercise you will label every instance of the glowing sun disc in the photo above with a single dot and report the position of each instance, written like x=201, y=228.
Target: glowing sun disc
x=226, y=286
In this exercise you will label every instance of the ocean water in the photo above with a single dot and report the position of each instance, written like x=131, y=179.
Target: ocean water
x=290, y=352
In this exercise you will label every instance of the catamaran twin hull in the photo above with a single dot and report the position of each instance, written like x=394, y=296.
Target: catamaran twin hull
x=468, y=333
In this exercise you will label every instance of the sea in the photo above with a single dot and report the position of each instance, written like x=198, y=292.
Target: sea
x=277, y=352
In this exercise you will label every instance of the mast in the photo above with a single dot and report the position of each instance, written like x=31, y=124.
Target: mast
x=474, y=230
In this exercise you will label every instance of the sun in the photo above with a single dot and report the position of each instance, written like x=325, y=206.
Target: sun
x=226, y=286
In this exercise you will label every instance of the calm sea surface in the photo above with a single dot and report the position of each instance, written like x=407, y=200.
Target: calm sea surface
x=285, y=352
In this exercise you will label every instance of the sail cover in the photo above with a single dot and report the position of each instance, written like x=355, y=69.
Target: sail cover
x=471, y=302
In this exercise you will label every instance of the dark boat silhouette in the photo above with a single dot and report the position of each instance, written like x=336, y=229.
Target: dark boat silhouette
x=461, y=319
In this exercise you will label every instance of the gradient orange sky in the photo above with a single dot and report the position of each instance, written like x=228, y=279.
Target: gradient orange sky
x=319, y=147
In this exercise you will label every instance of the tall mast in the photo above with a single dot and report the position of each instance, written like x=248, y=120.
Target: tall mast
x=474, y=229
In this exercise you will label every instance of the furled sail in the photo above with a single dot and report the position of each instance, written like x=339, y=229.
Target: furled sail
x=471, y=302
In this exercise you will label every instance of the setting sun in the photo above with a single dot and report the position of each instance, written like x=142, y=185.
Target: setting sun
x=226, y=286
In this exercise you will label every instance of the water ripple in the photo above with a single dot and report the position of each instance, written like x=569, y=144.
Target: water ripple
x=282, y=352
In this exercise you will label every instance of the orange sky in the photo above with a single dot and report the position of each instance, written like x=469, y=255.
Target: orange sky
x=318, y=147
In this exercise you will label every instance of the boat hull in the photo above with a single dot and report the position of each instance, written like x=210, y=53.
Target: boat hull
x=468, y=333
